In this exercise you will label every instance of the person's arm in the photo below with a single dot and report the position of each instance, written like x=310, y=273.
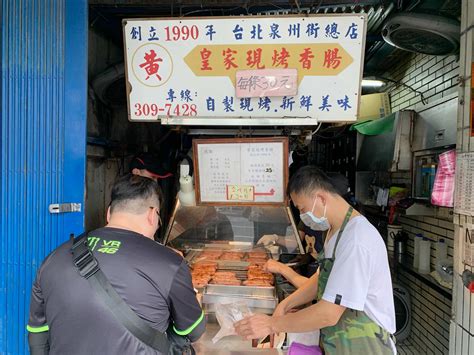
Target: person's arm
x=287, y=272
x=347, y=287
x=38, y=343
x=301, y=234
x=305, y=294
x=187, y=315
x=320, y=315
x=292, y=276
x=38, y=329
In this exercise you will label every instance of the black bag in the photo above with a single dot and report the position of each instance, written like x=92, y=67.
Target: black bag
x=88, y=267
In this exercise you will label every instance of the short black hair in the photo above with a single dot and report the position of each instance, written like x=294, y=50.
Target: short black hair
x=340, y=183
x=309, y=178
x=134, y=193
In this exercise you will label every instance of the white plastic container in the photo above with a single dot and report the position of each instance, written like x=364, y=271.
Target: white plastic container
x=425, y=256
x=416, y=253
x=186, y=193
x=392, y=231
x=441, y=250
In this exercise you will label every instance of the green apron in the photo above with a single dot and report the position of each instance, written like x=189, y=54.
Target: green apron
x=355, y=333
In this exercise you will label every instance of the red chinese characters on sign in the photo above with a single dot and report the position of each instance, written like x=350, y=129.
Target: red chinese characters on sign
x=254, y=59
x=205, y=55
x=151, y=64
x=280, y=59
x=310, y=59
x=229, y=59
x=306, y=58
x=332, y=59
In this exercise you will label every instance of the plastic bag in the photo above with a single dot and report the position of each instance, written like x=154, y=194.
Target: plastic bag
x=443, y=187
x=227, y=315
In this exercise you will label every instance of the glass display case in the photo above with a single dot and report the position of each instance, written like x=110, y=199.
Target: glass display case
x=231, y=227
x=227, y=266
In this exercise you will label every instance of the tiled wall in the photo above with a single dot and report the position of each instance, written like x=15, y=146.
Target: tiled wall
x=431, y=314
x=435, y=77
x=433, y=228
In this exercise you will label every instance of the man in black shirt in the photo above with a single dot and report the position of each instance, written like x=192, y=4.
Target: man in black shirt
x=67, y=316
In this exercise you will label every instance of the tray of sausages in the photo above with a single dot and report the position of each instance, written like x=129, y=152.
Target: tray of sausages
x=202, y=273
x=256, y=276
x=230, y=268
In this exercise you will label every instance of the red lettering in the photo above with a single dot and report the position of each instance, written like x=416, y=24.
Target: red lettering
x=331, y=59
x=151, y=65
x=229, y=59
x=306, y=57
x=205, y=54
x=254, y=58
x=176, y=33
x=280, y=58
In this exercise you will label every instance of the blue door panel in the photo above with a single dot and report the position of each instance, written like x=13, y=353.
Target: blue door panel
x=43, y=51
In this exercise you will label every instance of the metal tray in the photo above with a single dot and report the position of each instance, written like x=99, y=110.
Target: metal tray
x=256, y=297
x=242, y=291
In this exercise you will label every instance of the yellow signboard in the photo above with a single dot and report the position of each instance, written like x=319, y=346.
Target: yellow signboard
x=310, y=59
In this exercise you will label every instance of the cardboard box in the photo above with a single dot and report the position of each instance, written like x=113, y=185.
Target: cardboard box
x=374, y=106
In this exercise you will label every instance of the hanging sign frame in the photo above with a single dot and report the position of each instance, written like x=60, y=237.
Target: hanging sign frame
x=241, y=171
x=184, y=70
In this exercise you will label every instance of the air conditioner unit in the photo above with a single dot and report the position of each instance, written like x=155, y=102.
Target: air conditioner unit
x=422, y=33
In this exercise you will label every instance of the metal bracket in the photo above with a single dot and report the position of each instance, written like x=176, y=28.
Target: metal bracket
x=64, y=207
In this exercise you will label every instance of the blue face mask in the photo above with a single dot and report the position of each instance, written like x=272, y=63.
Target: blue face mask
x=313, y=222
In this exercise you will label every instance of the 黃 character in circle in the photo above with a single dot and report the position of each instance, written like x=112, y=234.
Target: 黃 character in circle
x=152, y=64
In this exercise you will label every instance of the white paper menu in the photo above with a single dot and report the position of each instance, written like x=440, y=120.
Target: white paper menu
x=464, y=190
x=242, y=172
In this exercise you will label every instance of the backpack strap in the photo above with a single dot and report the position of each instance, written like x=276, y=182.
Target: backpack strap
x=88, y=267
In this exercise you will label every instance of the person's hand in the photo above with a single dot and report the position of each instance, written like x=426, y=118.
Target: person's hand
x=268, y=239
x=273, y=266
x=254, y=327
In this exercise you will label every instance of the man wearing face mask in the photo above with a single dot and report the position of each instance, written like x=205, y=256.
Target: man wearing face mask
x=311, y=240
x=354, y=310
x=68, y=316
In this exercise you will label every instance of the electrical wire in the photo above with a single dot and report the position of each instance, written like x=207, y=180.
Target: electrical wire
x=311, y=9
x=214, y=9
x=269, y=4
x=336, y=135
x=298, y=6
x=399, y=83
x=316, y=130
